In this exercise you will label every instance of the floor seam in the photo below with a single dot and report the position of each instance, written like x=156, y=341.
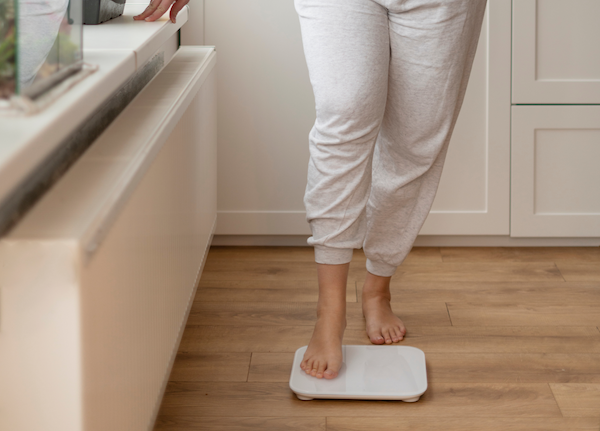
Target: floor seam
x=448, y=311
x=560, y=272
x=555, y=400
x=249, y=365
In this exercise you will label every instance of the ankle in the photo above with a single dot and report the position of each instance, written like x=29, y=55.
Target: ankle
x=335, y=312
x=376, y=287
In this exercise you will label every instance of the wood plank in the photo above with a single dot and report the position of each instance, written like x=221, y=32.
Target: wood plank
x=507, y=331
x=579, y=272
x=260, y=254
x=259, y=270
x=466, y=367
x=306, y=254
x=304, y=313
x=245, y=338
x=417, y=256
x=214, y=367
x=187, y=423
x=578, y=399
x=476, y=272
x=298, y=270
x=548, y=339
x=513, y=367
x=521, y=254
x=210, y=399
x=282, y=284
x=270, y=367
x=461, y=424
x=248, y=294
x=568, y=293
x=519, y=314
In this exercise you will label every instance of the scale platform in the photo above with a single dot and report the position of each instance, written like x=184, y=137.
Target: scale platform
x=368, y=373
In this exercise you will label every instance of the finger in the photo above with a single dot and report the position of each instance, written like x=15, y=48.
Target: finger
x=149, y=10
x=160, y=10
x=179, y=4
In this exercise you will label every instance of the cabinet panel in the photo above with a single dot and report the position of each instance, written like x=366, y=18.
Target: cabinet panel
x=555, y=51
x=555, y=176
x=473, y=195
x=266, y=109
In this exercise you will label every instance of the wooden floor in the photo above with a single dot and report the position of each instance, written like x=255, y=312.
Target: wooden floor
x=511, y=337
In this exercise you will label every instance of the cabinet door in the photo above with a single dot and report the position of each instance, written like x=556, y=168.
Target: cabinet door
x=266, y=109
x=555, y=51
x=555, y=175
x=473, y=196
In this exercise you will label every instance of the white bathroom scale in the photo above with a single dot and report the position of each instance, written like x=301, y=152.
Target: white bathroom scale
x=368, y=373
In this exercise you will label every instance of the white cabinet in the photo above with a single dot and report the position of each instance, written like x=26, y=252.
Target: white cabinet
x=555, y=180
x=474, y=192
x=555, y=174
x=98, y=278
x=556, y=51
x=266, y=109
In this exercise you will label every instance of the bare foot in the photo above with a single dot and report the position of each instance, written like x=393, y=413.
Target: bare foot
x=323, y=357
x=383, y=326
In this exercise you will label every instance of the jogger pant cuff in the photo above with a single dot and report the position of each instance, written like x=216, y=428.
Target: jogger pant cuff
x=339, y=256
x=332, y=256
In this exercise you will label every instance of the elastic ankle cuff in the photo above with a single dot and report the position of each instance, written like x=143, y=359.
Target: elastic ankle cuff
x=381, y=269
x=332, y=256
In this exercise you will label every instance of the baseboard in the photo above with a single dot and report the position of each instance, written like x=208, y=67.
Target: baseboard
x=422, y=241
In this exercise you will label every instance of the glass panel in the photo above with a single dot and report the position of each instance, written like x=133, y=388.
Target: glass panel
x=49, y=43
x=8, y=36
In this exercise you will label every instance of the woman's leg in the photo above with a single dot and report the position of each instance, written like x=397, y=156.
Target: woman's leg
x=433, y=43
x=323, y=358
x=346, y=43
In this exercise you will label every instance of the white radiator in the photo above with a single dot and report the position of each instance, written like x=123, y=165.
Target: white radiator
x=97, y=280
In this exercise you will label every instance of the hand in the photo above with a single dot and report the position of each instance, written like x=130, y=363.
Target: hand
x=157, y=8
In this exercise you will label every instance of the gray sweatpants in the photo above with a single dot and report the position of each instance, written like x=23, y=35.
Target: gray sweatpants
x=389, y=78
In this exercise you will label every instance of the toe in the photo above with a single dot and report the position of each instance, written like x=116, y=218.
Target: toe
x=402, y=330
x=320, y=370
x=387, y=336
x=397, y=335
x=377, y=339
x=332, y=370
x=330, y=374
x=308, y=366
x=313, y=372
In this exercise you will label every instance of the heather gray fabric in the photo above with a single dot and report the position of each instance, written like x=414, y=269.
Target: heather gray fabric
x=389, y=78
